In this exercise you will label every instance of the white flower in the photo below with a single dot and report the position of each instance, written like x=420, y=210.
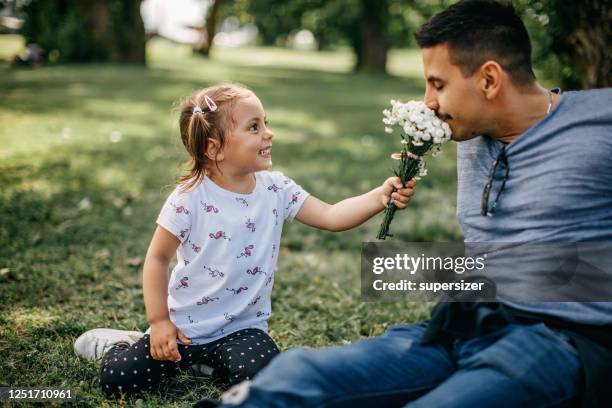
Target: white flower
x=418, y=124
x=422, y=169
x=436, y=151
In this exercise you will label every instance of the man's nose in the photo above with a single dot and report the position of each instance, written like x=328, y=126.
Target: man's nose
x=431, y=101
x=433, y=105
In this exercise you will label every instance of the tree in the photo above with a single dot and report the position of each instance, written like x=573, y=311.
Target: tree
x=84, y=31
x=372, y=42
x=572, y=40
x=210, y=28
x=369, y=27
x=582, y=37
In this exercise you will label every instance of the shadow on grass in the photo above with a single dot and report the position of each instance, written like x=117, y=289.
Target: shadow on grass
x=73, y=215
x=72, y=88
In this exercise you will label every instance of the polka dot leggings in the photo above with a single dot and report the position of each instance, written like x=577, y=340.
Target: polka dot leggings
x=234, y=358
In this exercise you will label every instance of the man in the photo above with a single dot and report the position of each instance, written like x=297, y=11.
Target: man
x=551, y=181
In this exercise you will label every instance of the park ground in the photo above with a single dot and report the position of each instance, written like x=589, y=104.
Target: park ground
x=88, y=154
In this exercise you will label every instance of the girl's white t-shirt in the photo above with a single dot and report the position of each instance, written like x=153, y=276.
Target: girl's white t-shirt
x=223, y=278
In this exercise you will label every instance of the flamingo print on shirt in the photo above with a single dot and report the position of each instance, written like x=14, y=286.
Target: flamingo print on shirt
x=274, y=188
x=226, y=236
x=209, y=208
x=275, y=212
x=247, y=251
x=237, y=291
x=206, y=300
x=294, y=199
x=255, y=271
x=218, y=235
x=180, y=209
x=194, y=247
x=214, y=272
x=183, y=283
x=250, y=225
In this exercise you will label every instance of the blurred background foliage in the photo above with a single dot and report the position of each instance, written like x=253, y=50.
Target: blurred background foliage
x=84, y=31
x=572, y=40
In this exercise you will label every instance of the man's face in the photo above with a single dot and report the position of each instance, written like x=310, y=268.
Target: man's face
x=455, y=98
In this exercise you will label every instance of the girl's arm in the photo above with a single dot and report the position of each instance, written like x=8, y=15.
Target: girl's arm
x=155, y=287
x=354, y=211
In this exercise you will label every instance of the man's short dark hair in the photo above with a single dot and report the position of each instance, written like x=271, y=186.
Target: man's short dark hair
x=477, y=31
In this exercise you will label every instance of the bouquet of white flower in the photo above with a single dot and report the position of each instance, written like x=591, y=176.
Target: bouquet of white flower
x=421, y=130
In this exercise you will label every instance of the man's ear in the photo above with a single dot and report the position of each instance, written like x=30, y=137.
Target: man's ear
x=491, y=79
x=214, y=151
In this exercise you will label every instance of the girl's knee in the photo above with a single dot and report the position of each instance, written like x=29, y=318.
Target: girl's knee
x=115, y=387
x=246, y=370
x=115, y=381
x=110, y=384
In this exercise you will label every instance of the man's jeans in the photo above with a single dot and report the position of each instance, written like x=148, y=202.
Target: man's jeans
x=517, y=366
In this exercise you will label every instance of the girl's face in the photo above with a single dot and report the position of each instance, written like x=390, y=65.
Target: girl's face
x=248, y=147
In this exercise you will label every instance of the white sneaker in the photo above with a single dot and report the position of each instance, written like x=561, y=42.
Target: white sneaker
x=236, y=394
x=93, y=344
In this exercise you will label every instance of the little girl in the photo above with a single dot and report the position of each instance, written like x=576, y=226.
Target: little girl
x=224, y=221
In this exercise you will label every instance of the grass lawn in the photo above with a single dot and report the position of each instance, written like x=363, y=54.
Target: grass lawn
x=88, y=154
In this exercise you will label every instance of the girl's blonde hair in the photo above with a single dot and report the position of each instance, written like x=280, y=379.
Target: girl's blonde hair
x=210, y=121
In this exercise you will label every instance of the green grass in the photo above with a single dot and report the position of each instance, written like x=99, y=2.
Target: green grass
x=75, y=207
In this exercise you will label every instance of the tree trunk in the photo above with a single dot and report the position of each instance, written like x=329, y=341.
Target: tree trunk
x=583, y=38
x=131, y=44
x=210, y=29
x=371, y=44
x=118, y=31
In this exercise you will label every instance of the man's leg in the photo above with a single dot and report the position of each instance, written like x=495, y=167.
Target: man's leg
x=384, y=372
x=523, y=366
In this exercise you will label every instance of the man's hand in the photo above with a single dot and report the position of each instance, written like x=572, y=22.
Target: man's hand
x=163, y=341
x=402, y=196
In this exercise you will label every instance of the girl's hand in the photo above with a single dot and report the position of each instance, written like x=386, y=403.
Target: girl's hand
x=163, y=341
x=402, y=196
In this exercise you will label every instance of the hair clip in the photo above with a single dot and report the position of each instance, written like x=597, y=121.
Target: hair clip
x=197, y=109
x=211, y=104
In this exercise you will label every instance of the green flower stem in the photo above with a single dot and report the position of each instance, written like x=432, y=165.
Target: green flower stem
x=408, y=169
